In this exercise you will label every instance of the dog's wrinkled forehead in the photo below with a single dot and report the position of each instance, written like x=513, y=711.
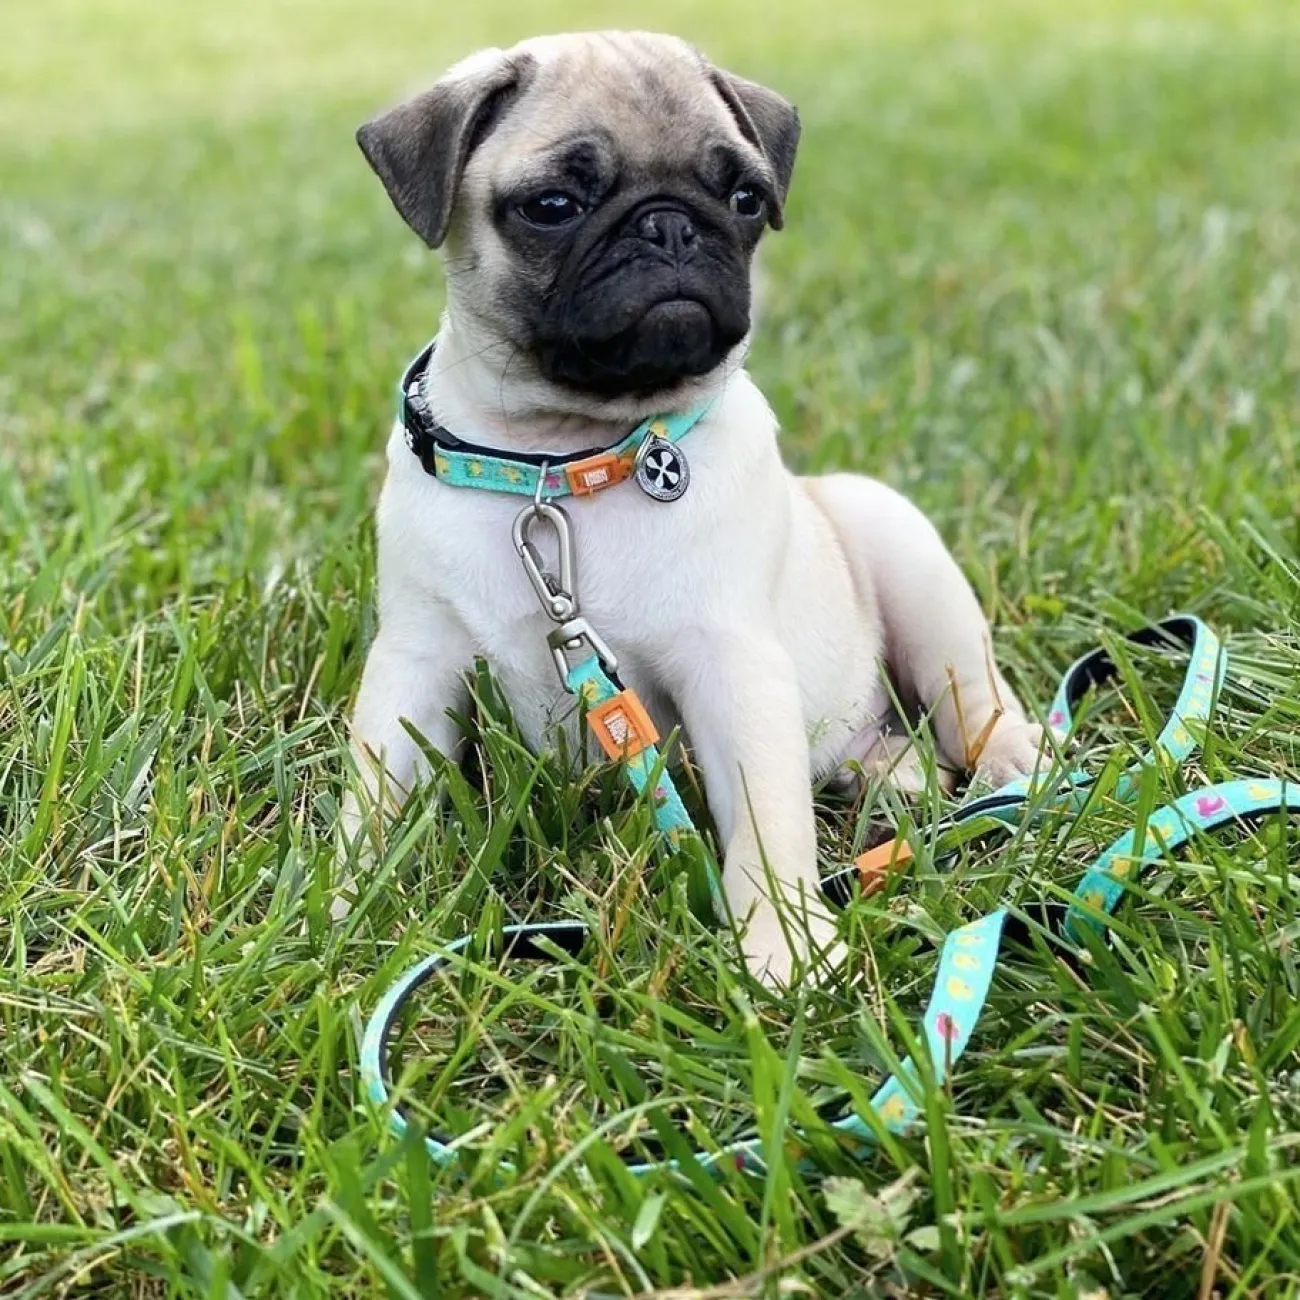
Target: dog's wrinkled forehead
x=651, y=99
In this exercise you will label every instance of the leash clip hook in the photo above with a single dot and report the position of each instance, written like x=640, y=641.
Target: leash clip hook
x=558, y=594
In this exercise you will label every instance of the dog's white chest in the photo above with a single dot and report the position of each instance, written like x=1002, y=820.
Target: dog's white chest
x=648, y=572
x=740, y=554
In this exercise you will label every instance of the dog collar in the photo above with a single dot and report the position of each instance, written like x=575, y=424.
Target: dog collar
x=649, y=453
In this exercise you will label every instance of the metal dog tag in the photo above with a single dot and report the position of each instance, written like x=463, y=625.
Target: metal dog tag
x=661, y=469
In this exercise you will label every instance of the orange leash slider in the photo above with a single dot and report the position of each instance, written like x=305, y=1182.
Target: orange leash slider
x=622, y=725
x=875, y=864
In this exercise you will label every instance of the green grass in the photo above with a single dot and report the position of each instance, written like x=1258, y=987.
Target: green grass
x=1040, y=271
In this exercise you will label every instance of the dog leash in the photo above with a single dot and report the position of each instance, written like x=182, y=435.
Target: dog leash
x=969, y=956
x=967, y=963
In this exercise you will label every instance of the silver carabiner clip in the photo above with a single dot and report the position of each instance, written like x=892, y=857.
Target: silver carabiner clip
x=558, y=594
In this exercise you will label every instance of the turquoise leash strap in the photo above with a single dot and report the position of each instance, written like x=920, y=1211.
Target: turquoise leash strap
x=593, y=686
x=647, y=770
x=966, y=968
x=1167, y=829
x=969, y=957
x=968, y=962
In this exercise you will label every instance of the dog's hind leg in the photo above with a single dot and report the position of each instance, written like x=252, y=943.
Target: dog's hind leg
x=937, y=641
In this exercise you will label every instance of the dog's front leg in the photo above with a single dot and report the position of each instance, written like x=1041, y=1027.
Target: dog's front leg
x=738, y=695
x=414, y=675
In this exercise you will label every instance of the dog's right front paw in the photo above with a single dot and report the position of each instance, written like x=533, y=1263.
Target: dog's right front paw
x=772, y=950
x=353, y=849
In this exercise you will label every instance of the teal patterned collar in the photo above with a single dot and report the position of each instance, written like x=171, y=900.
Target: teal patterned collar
x=649, y=454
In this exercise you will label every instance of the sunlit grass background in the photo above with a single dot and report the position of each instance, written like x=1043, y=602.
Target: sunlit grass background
x=1041, y=270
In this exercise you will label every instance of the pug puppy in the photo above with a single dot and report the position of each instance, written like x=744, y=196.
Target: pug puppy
x=598, y=199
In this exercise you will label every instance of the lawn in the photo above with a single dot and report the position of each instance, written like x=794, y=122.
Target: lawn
x=1041, y=270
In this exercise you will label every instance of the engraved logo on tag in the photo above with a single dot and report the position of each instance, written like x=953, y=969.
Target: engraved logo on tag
x=661, y=470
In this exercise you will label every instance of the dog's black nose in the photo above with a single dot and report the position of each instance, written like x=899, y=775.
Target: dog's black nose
x=670, y=230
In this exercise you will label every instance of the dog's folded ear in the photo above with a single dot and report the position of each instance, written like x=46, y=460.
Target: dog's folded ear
x=767, y=121
x=419, y=149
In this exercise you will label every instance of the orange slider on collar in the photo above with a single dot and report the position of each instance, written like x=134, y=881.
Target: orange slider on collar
x=597, y=472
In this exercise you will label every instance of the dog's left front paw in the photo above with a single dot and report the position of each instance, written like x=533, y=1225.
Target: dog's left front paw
x=1014, y=748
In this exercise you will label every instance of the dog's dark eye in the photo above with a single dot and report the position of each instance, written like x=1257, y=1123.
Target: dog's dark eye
x=554, y=208
x=747, y=202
